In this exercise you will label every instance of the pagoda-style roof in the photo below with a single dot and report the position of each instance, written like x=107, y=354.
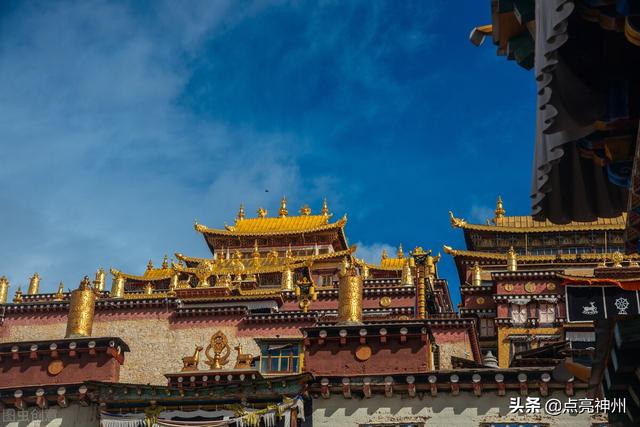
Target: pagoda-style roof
x=275, y=226
x=526, y=224
x=559, y=258
x=267, y=263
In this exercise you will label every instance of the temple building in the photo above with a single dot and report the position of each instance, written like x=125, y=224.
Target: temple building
x=282, y=324
x=519, y=278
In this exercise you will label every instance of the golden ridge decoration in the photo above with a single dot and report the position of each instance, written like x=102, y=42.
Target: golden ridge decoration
x=60, y=294
x=219, y=344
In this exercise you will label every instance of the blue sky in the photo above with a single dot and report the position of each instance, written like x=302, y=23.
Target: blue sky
x=122, y=122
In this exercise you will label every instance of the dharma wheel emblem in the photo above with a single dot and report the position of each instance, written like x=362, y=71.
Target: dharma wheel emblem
x=221, y=350
x=622, y=304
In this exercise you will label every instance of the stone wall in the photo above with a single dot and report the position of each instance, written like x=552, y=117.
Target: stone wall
x=444, y=410
x=73, y=416
x=452, y=342
x=157, y=342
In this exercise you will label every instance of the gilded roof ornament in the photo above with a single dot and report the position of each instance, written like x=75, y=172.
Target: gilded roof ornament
x=17, y=299
x=325, y=209
x=148, y=288
x=165, y=262
x=283, y=208
x=85, y=284
x=240, y=216
x=477, y=275
x=400, y=253
x=512, y=260
x=262, y=212
x=305, y=210
x=60, y=294
x=456, y=222
x=384, y=255
x=150, y=265
x=4, y=289
x=500, y=212
x=34, y=284
x=617, y=259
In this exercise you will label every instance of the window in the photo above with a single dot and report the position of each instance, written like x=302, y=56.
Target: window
x=547, y=313
x=487, y=328
x=519, y=313
x=519, y=346
x=280, y=358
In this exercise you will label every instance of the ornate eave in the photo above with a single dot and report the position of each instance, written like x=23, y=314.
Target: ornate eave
x=159, y=275
x=559, y=258
x=278, y=263
x=526, y=224
x=235, y=231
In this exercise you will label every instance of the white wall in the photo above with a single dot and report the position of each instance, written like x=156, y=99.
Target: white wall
x=445, y=410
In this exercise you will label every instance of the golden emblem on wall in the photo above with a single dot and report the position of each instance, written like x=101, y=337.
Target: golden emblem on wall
x=508, y=287
x=551, y=286
x=221, y=350
x=363, y=352
x=480, y=300
x=530, y=287
x=385, y=302
x=55, y=367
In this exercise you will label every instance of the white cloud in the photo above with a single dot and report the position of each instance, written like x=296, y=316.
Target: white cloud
x=372, y=252
x=99, y=166
x=480, y=213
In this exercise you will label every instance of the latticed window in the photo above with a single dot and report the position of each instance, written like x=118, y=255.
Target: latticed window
x=280, y=358
x=487, y=327
x=547, y=313
x=519, y=313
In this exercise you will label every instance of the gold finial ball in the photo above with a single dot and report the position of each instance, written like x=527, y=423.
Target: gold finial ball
x=305, y=210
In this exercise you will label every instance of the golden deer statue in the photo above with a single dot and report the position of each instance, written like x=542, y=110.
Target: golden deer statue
x=243, y=361
x=190, y=363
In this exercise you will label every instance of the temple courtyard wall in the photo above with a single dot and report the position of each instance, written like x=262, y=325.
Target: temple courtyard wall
x=464, y=410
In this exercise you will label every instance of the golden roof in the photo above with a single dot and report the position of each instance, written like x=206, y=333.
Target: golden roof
x=277, y=225
x=391, y=263
x=589, y=257
x=526, y=224
x=269, y=262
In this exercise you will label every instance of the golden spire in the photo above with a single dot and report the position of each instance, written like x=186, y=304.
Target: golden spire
x=165, y=262
x=305, y=210
x=4, y=289
x=512, y=260
x=283, y=207
x=325, y=209
x=17, y=299
x=499, y=209
x=99, y=282
x=150, y=265
x=384, y=255
x=240, y=216
x=34, y=284
x=476, y=280
x=400, y=253
x=60, y=293
x=262, y=212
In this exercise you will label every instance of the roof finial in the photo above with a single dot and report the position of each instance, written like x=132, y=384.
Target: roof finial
x=240, y=216
x=400, y=253
x=165, y=262
x=262, y=212
x=499, y=209
x=150, y=265
x=384, y=255
x=325, y=209
x=283, y=207
x=17, y=299
x=305, y=210
x=60, y=294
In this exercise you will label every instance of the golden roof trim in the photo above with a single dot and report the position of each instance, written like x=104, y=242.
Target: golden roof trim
x=526, y=224
x=275, y=226
x=144, y=278
x=248, y=268
x=503, y=257
x=264, y=260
